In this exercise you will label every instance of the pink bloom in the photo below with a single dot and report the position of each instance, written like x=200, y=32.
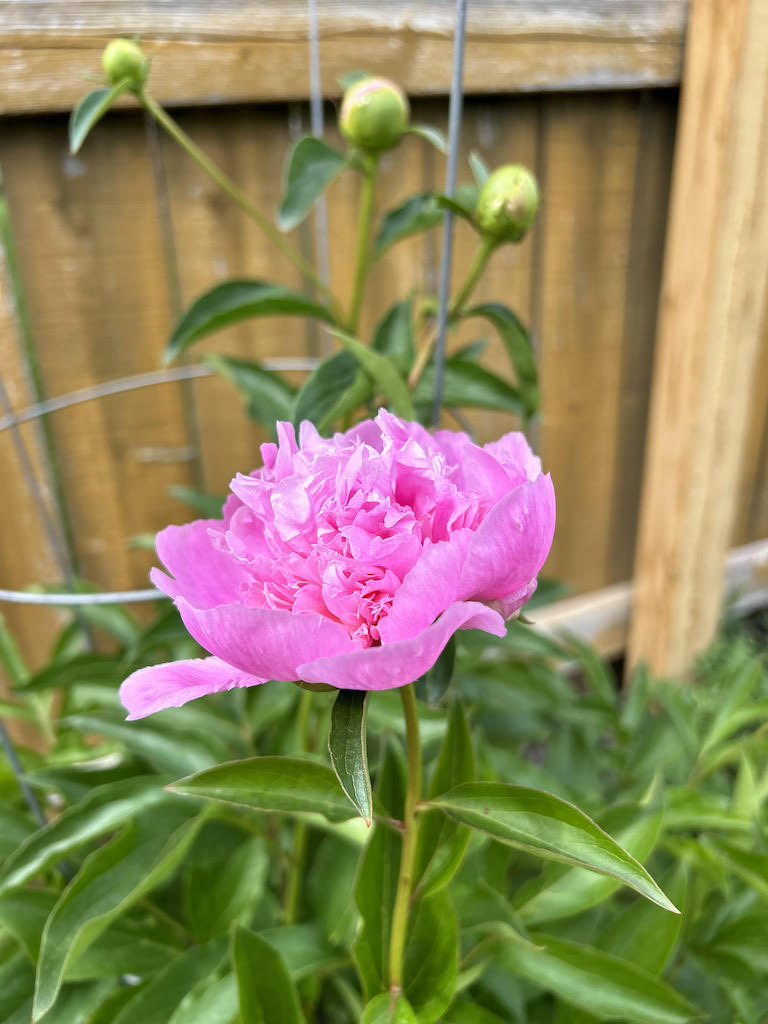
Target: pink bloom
x=352, y=560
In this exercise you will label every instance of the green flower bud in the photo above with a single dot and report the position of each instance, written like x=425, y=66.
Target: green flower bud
x=507, y=204
x=123, y=59
x=374, y=114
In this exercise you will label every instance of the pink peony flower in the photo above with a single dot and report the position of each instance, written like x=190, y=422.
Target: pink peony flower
x=351, y=560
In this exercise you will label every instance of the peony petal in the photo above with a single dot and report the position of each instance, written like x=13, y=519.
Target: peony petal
x=169, y=686
x=203, y=574
x=427, y=590
x=396, y=664
x=511, y=544
x=264, y=641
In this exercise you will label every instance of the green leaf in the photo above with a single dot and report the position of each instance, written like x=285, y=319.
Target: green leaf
x=604, y=985
x=268, y=397
x=518, y=344
x=463, y=202
x=333, y=390
x=644, y=934
x=479, y=169
x=312, y=166
x=393, y=337
x=383, y=374
x=736, y=697
x=546, y=826
x=17, y=979
x=156, y=1001
x=419, y=213
x=577, y=890
x=303, y=948
x=350, y=78
x=430, y=969
x=91, y=109
x=105, y=808
x=433, y=685
x=111, y=880
x=266, y=992
x=227, y=890
x=85, y=668
x=431, y=134
x=442, y=841
x=467, y=384
x=750, y=865
x=23, y=913
x=212, y=1001
x=209, y=504
x=389, y=1009
x=233, y=301
x=271, y=784
x=377, y=882
x=347, y=747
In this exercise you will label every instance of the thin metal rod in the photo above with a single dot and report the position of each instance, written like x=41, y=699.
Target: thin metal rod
x=133, y=383
x=74, y=600
x=322, y=256
x=18, y=770
x=454, y=131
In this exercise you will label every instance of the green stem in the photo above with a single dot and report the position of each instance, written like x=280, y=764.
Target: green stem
x=363, y=242
x=410, y=841
x=233, y=191
x=296, y=869
x=483, y=254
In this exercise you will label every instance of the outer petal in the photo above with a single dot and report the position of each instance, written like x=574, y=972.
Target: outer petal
x=427, y=590
x=396, y=664
x=511, y=544
x=203, y=574
x=169, y=686
x=264, y=642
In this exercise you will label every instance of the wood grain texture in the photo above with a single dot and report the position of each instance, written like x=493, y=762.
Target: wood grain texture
x=240, y=51
x=90, y=258
x=711, y=318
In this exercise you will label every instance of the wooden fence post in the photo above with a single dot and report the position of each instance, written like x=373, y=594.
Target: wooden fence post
x=711, y=315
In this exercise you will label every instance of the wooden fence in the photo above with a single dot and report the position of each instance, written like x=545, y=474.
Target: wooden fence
x=110, y=244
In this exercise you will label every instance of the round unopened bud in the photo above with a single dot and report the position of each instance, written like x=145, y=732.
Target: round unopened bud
x=374, y=114
x=122, y=59
x=507, y=204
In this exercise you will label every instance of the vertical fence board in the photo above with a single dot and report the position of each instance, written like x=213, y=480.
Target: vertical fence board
x=90, y=259
x=711, y=314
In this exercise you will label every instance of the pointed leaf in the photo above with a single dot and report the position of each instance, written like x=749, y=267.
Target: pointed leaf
x=155, y=1002
x=389, y=1009
x=347, y=747
x=312, y=166
x=442, y=841
x=268, y=397
x=419, y=213
x=467, y=384
x=213, y=1000
x=105, y=808
x=266, y=992
x=383, y=374
x=431, y=134
x=394, y=335
x=430, y=970
x=233, y=301
x=479, y=168
x=334, y=389
x=111, y=880
x=271, y=784
x=518, y=344
x=604, y=985
x=91, y=109
x=548, y=827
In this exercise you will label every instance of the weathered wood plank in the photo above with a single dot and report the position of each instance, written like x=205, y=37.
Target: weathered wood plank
x=240, y=51
x=90, y=259
x=711, y=315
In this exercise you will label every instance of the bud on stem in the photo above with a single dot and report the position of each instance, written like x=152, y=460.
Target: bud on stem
x=507, y=204
x=122, y=58
x=374, y=114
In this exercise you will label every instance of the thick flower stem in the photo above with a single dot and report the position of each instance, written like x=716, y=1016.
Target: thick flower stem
x=362, y=255
x=178, y=134
x=410, y=841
